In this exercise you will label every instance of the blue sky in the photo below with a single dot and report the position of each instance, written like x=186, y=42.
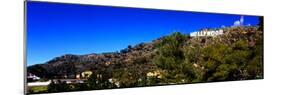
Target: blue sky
x=55, y=29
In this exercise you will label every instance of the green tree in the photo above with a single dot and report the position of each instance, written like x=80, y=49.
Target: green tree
x=170, y=57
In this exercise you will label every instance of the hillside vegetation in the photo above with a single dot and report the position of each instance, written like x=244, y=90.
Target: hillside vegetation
x=174, y=59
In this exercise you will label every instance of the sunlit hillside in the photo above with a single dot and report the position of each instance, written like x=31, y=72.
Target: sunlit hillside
x=237, y=54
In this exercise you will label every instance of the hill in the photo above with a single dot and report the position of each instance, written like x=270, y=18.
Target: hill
x=237, y=54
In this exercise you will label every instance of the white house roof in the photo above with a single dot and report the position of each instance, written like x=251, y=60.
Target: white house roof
x=39, y=83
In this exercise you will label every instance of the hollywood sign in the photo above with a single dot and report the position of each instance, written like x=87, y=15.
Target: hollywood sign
x=206, y=33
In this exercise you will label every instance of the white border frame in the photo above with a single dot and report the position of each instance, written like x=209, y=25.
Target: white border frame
x=11, y=39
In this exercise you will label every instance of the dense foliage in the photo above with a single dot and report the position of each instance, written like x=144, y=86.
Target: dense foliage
x=173, y=59
x=237, y=55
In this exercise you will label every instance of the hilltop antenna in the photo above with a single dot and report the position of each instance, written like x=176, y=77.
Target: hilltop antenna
x=241, y=20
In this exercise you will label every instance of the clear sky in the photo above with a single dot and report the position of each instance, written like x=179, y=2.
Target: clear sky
x=55, y=29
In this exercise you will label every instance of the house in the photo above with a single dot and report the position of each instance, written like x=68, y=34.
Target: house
x=114, y=81
x=39, y=83
x=33, y=77
x=154, y=74
x=69, y=81
x=85, y=74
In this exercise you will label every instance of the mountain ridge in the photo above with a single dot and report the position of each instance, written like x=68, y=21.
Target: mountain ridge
x=71, y=64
